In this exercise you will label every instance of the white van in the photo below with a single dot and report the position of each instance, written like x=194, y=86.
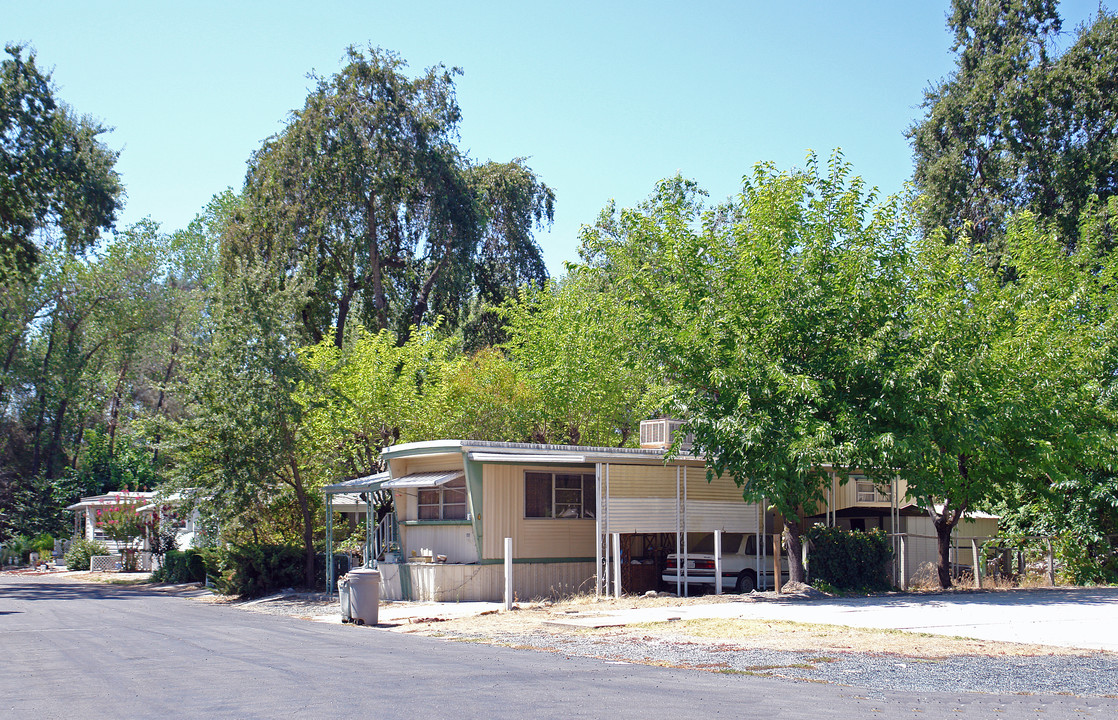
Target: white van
x=742, y=570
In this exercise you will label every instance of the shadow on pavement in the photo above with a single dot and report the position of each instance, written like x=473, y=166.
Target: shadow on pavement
x=68, y=590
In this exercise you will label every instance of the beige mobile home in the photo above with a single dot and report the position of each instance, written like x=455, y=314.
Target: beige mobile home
x=456, y=501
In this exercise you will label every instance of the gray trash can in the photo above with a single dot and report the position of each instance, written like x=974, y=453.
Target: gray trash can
x=364, y=595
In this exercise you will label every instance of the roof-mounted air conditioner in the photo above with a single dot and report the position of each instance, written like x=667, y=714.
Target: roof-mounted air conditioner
x=662, y=432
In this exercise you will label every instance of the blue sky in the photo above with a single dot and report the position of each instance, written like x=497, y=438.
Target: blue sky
x=604, y=99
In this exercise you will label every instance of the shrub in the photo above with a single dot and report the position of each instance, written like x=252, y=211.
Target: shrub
x=44, y=545
x=253, y=570
x=187, y=566
x=849, y=560
x=77, y=558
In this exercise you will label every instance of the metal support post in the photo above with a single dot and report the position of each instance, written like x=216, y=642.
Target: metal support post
x=717, y=562
x=508, y=573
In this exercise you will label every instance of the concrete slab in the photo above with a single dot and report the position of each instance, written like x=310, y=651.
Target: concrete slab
x=1065, y=617
x=403, y=613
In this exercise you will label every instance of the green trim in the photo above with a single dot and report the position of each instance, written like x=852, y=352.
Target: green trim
x=421, y=523
x=474, y=473
x=536, y=561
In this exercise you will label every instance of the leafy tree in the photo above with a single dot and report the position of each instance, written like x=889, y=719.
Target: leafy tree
x=56, y=176
x=237, y=447
x=771, y=316
x=1002, y=381
x=366, y=198
x=377, y=392
x=588, y=374
x=1015, y=127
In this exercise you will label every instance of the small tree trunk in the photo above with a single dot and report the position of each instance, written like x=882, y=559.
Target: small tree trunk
x=943, y=546
x=794, y=548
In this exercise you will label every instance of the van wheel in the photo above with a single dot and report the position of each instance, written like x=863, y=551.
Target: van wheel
x=747, y=582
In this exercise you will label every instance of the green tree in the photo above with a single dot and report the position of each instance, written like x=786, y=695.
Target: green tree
x=1002, y=382
x=771, y=316
x=56, y=176
x=590, y=380
x=366, y=198
x=1016, y=127
x=237, y=446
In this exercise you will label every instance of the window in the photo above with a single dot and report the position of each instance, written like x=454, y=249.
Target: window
x=868, y=492
x=445, y=502
x=559, y=495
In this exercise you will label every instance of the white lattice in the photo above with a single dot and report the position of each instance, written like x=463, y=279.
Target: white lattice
x=104, y=563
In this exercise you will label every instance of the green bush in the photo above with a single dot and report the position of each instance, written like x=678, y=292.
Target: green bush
x=1085, y=560
x=852, y=560
x=253, y=570
x=187, y=566
x=77, y=558
x=44, y=545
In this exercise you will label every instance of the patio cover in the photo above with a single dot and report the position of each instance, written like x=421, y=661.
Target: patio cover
x=369, y=482
x=425, y=479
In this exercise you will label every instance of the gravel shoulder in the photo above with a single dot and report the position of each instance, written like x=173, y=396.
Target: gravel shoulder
x=886, y=660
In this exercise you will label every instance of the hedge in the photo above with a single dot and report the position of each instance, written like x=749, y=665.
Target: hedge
x=849, y=560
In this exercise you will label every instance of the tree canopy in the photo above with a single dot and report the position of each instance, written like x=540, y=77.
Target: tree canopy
x=1017, y=127
x=56, y=176
x=770, y=316
x=366, y=197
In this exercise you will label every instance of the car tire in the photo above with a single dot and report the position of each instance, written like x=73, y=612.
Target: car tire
x=747, y=582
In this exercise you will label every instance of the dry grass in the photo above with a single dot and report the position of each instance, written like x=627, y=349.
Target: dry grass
x=538, y=619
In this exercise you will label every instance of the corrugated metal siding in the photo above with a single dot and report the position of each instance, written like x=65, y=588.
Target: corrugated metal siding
x=721, y=489
x=921, y=553
x=502, y=507
x=454, y=541
x=641, y=515
x=728, y=516
x=642, y=481
x=471, y=583
x=412, y=465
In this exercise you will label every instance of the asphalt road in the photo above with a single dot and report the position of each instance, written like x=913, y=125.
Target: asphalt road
x=73, y=650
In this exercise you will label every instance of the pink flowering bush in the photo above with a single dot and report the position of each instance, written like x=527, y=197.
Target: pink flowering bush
x=122, y=522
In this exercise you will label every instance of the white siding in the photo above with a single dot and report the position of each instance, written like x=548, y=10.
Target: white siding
x=454, y=541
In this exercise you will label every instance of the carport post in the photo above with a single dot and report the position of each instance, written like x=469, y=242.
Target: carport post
x=717, y=562
x=330, y=544
x=904, y=571
x=508, y=573
x=617, y=565
x=974, y=562
x=776, y=561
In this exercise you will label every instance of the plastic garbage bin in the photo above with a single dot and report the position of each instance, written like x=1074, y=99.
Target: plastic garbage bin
x=364, y=595
x=343, y=598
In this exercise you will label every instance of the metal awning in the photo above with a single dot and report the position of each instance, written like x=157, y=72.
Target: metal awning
x=361, y=484
x=527, y=458
x=425, y=479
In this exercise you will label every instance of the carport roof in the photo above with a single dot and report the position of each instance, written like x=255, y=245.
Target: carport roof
x=369, y=482
x=425, y=479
